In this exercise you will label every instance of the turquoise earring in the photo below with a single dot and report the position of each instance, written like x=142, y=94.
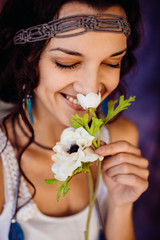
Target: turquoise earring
x=29, y=106
x=27, y=101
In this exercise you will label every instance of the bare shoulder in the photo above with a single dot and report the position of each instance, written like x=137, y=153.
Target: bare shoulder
x=1, y=187
x=123, y=129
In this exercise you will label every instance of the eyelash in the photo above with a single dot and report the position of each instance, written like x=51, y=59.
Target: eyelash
x=118, y=65
x=61, y=66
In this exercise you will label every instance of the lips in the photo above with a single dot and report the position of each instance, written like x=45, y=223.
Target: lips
x=72, y=101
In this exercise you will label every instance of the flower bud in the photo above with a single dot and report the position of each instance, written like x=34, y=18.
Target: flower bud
x=91, y=100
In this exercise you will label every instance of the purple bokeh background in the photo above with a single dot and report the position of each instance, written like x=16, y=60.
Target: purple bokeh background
x=145, y=113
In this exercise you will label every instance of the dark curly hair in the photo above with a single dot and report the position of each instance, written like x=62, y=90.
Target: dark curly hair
x=18, y=62
x=15, y=68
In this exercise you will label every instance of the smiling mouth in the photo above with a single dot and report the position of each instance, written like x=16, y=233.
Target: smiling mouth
x=72, y=99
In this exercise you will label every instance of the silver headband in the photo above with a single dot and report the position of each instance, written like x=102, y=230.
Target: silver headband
x=59, y=28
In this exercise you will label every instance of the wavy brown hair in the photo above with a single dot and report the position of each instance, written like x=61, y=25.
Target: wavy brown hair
x=18, y=62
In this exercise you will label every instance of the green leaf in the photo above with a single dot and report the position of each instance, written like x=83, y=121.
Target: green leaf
x=78, y=118
x=59, y=189
x=123, y=104
x=95, y=125
x=85, y=167
x=80, y=121
x=66, y=188
x=75, y=124
x=50, y=181
x=85, y=121
x=78, y=170
x=92, y=110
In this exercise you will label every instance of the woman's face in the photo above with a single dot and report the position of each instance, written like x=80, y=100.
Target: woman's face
x=81, y=64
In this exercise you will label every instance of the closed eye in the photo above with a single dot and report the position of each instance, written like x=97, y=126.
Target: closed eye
x=63, y=66
x=118, y=65
x=72, y=66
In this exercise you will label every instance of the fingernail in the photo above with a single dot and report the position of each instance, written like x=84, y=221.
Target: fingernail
x=100, y=150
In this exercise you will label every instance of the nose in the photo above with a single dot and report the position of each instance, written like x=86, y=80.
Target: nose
x=88, y=82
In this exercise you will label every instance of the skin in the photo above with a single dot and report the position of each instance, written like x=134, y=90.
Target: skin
x=88, y=74
x=124, y=170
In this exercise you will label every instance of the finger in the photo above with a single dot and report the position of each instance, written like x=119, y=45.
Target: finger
x=131, y=180
x=121, y=158
x=102, y=143
x=125, y=169
x=116, y=147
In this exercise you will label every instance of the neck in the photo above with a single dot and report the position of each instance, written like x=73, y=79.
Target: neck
x=47, y=130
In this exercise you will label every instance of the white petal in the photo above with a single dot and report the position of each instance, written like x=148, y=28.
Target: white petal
x=68, y=137
x=64, y=162
x=64, y=157
x=82, y=100
x=85, y=139
x=59, y=148
x=71, y=136
x=65, y=165
x=59, y=173
x=91, y=100
x=73, y=163
x=81, y=155
x=55, y=158
x=91, y=156
x=83, y=143
x=83, y=133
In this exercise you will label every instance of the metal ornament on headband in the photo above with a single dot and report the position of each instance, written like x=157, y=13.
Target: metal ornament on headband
x=60, y=28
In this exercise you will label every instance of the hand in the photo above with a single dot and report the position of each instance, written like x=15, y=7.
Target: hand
x=124, y=171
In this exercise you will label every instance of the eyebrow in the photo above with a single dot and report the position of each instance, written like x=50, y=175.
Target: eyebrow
x=118, y=53
x=74, y=53
x=67, y=51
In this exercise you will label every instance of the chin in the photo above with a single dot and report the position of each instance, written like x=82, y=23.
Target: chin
x=64, y=121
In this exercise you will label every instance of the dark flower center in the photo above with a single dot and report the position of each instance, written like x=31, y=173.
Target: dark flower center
x=74, y=148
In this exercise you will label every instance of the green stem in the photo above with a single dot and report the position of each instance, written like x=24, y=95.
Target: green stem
x=91, y=202
x=98, y=179
x=91, y=186
x=98, y=138
x=99, y=167
x=94, y=143
x=92, y=110
x=93, y=194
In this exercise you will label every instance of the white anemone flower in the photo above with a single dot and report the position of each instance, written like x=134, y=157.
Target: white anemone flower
x=73, y=149
x=91, y=100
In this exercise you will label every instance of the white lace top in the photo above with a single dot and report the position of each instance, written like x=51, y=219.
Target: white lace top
x=35, y=224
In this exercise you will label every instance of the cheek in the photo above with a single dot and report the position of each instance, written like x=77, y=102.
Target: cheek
x=50, y=79
x=115, y=83
x=111, y=80
x=45, y=73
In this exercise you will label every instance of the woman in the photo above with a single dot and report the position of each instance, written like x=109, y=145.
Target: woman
x=48, y=65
